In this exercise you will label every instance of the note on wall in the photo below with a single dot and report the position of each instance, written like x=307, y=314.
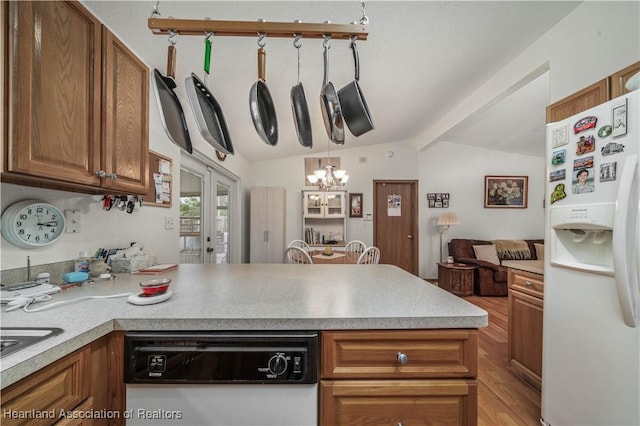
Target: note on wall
x=160, y=180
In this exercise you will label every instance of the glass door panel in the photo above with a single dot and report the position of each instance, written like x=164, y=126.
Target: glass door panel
x=191, y=229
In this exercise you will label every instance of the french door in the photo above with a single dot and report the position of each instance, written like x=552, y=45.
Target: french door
x=208, y=200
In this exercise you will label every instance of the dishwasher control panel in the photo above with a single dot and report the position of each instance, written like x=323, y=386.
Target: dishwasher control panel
x=207, y=357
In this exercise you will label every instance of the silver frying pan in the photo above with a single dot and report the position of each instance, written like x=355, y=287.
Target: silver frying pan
x=206, y=108
x=300, y=108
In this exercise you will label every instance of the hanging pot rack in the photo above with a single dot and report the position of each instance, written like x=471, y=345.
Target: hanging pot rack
x=198, y=27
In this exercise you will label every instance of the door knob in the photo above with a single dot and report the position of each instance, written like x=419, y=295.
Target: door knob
x=410, y=237
x=209, y=249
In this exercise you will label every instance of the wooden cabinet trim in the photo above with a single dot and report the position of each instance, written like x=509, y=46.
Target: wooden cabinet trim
x=620, y=78
x=582, y=100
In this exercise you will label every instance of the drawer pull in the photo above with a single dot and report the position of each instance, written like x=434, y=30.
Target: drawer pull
x=399, y=424
x=528, y=284
x=402, y=359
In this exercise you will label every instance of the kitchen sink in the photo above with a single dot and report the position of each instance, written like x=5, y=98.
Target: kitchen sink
x=13, y=339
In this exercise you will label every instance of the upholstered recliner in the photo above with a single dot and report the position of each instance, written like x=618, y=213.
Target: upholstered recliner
x=489, y=279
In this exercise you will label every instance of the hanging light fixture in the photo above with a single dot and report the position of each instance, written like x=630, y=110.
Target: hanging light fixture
x=329, y=178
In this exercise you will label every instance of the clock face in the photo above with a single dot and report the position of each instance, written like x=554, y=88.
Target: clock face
x=32, y=223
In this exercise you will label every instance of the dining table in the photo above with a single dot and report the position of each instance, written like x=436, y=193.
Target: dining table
x=336, y=257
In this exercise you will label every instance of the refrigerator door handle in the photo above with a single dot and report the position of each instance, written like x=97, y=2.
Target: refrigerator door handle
x=626, y=275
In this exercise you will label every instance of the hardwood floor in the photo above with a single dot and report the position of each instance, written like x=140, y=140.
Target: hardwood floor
x=503, y=398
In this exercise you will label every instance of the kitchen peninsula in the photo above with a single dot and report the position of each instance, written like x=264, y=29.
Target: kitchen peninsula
x=335, y=300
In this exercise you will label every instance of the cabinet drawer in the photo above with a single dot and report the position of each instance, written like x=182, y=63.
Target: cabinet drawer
x=526, y=282
x=394, y=402
x=375, y=354
x=61, y=386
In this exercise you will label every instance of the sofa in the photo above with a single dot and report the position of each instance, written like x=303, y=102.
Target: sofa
x=490, y=275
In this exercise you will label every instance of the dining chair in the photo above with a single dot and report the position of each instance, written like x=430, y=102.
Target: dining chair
x=355, y=246
x=370, y=256
x=301, y=244
x=297, y=255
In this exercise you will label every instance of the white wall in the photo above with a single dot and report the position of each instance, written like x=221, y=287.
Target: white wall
x=362, y=165
x=459, y=170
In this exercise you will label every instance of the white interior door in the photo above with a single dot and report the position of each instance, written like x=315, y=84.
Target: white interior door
x=208, y=200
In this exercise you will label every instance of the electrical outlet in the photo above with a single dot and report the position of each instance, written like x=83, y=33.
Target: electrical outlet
x=170, y=222
x=72, y=218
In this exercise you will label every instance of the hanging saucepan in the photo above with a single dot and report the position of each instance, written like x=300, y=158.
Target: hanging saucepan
x=299, y=106
x=263, y=111
x=206, y=109
x=354, y=107
x=171, y=113
x=330, y=104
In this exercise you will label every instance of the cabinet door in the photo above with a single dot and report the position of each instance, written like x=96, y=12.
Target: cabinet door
x=334, y=204
x=313, y=204
x=54, y=91
x=619, y=79
x=396, y=402
x=580, y=101
x=125, y=153
x=525, y=336
x=258, y=231
x=276, y=220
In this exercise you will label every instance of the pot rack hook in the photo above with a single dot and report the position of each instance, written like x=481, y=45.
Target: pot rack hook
x=173, y=35
x=327, y=38
x=364, y=20
x=156, y=11
x=297, y=42
x=261, y=36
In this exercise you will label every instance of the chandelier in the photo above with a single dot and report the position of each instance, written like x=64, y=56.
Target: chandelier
x=329, y=178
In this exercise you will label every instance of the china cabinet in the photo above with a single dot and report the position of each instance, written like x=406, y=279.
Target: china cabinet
x=324, y=217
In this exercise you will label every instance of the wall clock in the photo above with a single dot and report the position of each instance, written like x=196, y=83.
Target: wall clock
x=32, y=223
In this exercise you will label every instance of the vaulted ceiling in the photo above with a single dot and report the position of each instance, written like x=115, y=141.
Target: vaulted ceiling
x=421, y=59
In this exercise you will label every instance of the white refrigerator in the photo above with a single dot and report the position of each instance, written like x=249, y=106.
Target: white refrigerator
x=591, y=332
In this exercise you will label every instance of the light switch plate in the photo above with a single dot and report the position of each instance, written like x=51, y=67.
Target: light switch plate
x=72, y=218
x=170, y=222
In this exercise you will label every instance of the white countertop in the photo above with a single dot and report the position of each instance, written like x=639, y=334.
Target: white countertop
x=243, y=297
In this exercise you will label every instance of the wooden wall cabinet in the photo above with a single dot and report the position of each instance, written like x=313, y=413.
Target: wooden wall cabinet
x=399, y=377
x=77, y=102
x=268, y=224
x=525, y=305
x=593, y=95
x=89, y=379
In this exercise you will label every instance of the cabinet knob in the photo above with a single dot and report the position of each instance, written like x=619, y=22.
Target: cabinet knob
x=399, y=424
x=528, y=284
x=402, y=358
x=113, y=176
x=101, y=173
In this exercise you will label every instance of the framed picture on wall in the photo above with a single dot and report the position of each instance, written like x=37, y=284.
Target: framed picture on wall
x=506, y=191
x=355, y=205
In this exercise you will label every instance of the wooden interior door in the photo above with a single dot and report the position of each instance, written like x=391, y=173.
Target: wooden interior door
x=395, y=229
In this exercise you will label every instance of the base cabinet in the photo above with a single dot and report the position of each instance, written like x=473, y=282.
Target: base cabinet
x=525, y=325
x=410, y=377
x=68, y=391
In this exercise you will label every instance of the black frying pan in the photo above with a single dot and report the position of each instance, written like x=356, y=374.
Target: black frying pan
x=300, y=108
x=171, y=113
x=354, y=107
x=207, y=110
x=263, y=111
x=330, y=104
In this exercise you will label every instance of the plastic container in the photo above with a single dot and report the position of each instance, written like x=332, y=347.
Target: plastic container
x=83, y=262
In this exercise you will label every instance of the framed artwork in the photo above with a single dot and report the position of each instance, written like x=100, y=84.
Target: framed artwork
x=619, y=119
x=438, y=200
x=355, y=205
x=506, y=192
x=314, y=163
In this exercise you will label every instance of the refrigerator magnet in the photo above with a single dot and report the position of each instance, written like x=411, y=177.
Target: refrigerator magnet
x=620, y=120
x=560, y=136
x=558, y=157
x=585, y=123
x=557, y=175
x=611, y=148
x=585, y=144
x=608, y=172
x=558, y=193
x=605, y=131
